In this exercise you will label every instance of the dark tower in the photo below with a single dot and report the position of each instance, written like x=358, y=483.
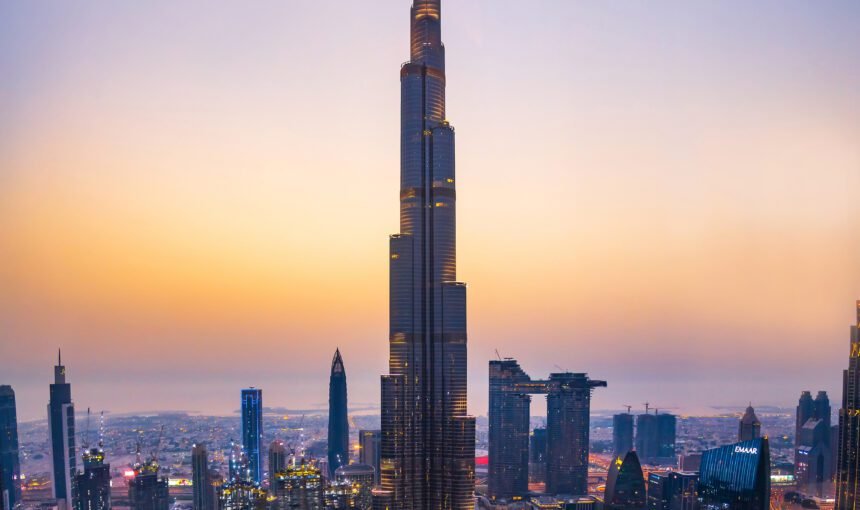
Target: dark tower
x=10, y=463
x=277, y=460
x=252, y=431
x=428, y=441
x=338, y=421
x=749, y=427
x=666, y=427
x=92, y=487
x=625, y=484
x=61, y=428
x=509, y=431
x=622, y=433
x=848, y=452
x=201, y=481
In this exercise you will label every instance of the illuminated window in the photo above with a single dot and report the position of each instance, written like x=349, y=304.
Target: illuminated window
x=441, y=204
x=450, y=180
x=395, y=256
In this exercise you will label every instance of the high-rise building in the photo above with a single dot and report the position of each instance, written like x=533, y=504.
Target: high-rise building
x=672, y=490
x=238, y=464
x=625, y=483
x=360, y=478
x=61, y=429
x=646, y=437
x=10, y=463
x=92, y=487
x=568, y=405
x=508, y=430
x=666, y=429
x=201, y=482
x=299, y=487
x=848, y=452
x=749, y=427
x=622, y=433
x=428, y=440
x=146, y=491
x=277, y=460
x=813, y=454
x=338, y=421
x=537, y=455
x=242, y=495
x=252, y=431
x=736, y=476
x=369, y=444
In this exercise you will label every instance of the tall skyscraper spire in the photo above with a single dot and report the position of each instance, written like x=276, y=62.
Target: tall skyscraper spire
x=338, y=421
x=61, y=428
x=428, y=441
x=848, y=453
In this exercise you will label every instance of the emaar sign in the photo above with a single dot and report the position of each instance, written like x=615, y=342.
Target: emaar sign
x=744, y=449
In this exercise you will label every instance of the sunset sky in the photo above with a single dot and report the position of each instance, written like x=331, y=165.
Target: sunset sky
x=196, y=196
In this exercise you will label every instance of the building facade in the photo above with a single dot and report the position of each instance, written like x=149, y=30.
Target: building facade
x=92, y=487
x=10, y=460
x=369, y=452
x=360, y=478
x=61, y=429
x=736, y=476
x=299, y=487
x=813, y=454
x=338, y=420
x=848, y=452
x=749, y=427
x=146, y=491
x=622, y=433
x=508, y=439
x=252, y=431
x=428, y=439
x=625, y=484
x=277, y=460
x=201, y=481
x=673, y=490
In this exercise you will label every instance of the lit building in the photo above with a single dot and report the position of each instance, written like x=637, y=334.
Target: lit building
x=736, y=476
x=537, y=455
x=61, y=429
x=360, y=478
x=299, y=487
x=813, y=454
x=10, y=463
x=848, y=452
x=238, y=464
x=428, y=440
x=369, y=442
x=622, y=433
x=201, y=481
x=339, y=495
x=277, y=460
x=92, y=487
x=625, y=484
x=338, y=420
x=749, y=427
x=673, y=491
x=146, y=491
x=508, y=430
x=252, y=431
x=242, y=495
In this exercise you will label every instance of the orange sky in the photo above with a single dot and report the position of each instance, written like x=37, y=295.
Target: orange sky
x=197, y=199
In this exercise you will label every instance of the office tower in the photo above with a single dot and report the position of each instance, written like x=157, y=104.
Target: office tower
x=201, y=483
x=622, y=433
x=252, y=431
x=277, y=460
x=666, y=427
x=672, y=490
x=813, y=454
x=61, y=429
x=646, y=437
x=238, y=464
x=369, y=443
x=338, y=421
x=537, y=455
x=92, y=487
x=625, y=484
x=749, y=427
x=568, y=404
x=146, y=491
x=242, y=495
x=299, y=487
x=736, y=476
x=10, y=464
x=428, y=454
x=508, y=431
x=339, y=496
x=690, y=462
x=848, y=451
x=360, y=478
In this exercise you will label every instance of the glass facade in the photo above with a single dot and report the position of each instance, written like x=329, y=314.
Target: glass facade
x=848, y=453
x=252, y=431
x=622, y=433
x=625, y=484
x=736, y=476
x=92, y=487
x=10, y=463
x=338, y=422
x=61, y=428
x=201, y=481
x=428, y=441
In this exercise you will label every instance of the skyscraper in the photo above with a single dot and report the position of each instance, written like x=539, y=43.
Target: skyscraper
x=300, y=487
x=201, y=482
x=666, y=429
x=10, y=463
x=813, y=458
x=749, y=427
x=338, y=421
x=848, y=462
x=61, y=428
x=736, y=476
x=646, y=437
x=508, y=430
x=277, y=460
x=625, y=483
x=252, y=430
x=146, y=491
x=428, y=441
x=92, y=487
x=622, y=433
x=369, y=450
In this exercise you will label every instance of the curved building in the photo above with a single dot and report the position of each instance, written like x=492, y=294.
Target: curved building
x=338, y=421
x=625, y=485
x=736, y=476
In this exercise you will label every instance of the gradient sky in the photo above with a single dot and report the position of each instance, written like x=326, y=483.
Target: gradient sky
x=196, y=196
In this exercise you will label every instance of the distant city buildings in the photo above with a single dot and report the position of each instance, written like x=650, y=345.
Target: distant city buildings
x=736, y=477
x=655, y=438
x=338, y=420
x=625, y=484
x=537, y=455
x=242, y=495
x=146, y=490
x=201, y=479
x=299, y=487
x=10, y=464
x=749, y=427
x=252, y=431
x=360, y=480
x=622, y=433
x=277, y=460
x=848, y=468
x=369, y=450
x=673, y=490
x=813, y=464
x=61, y=430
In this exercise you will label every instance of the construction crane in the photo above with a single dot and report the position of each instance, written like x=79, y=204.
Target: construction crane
x=647, y=404
x=629, y=407
x=498, y=355
x=102, y=430
x=85, y=441
x=158, y=446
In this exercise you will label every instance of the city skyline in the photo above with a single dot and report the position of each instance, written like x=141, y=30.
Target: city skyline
x=631, y=193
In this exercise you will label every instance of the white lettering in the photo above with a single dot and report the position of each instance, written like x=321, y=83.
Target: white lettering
x=744, y=449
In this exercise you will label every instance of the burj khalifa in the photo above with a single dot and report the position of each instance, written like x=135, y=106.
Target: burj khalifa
x=428, y=440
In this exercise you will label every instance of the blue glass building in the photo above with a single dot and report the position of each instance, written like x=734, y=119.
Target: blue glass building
x=252, y=431
x=338, y=421
x=10, y=463
x=736, y=476
x=61, y=429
